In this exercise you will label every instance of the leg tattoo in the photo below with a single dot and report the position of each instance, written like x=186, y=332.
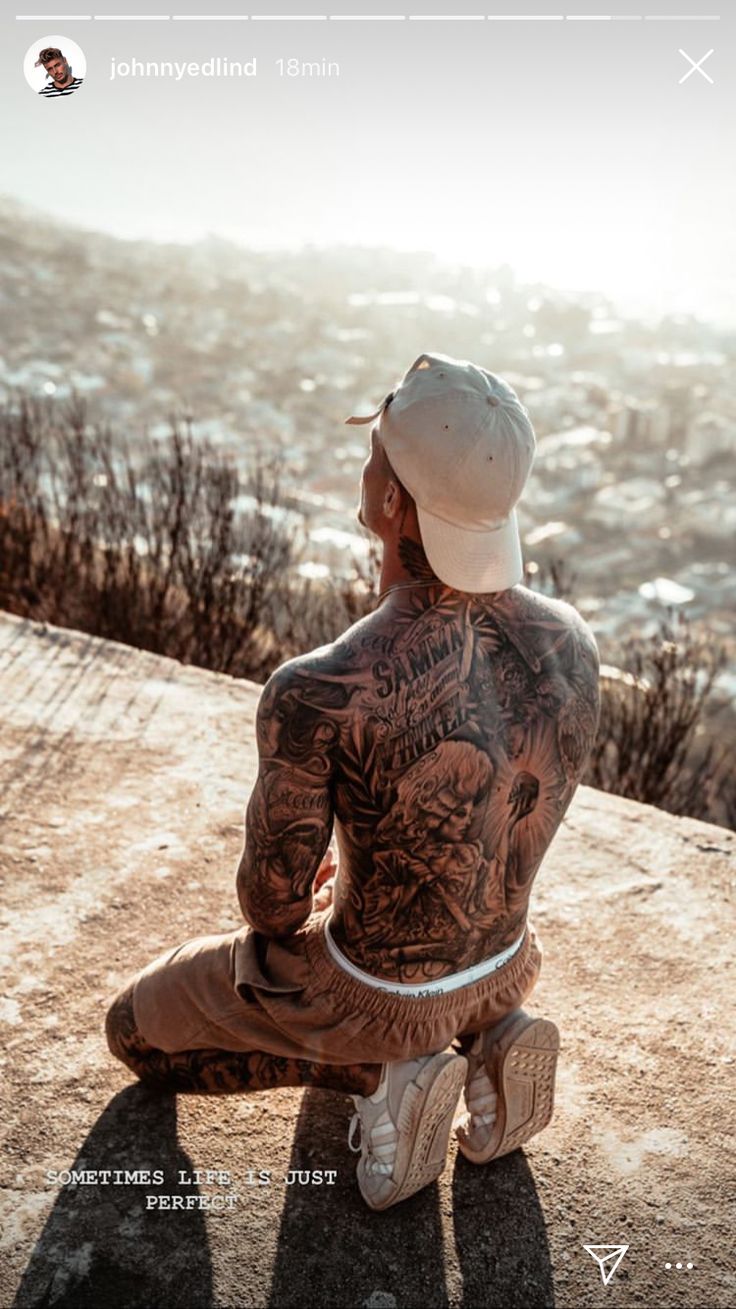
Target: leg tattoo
x=224, y=1072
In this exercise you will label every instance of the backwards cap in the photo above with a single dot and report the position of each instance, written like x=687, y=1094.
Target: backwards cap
x=461, y=442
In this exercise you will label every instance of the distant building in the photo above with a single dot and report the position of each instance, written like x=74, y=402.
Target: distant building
x=710, y=435
x=638, y=501
x=678, y=400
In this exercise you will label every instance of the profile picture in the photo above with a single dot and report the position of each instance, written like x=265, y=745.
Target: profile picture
x=54, y=67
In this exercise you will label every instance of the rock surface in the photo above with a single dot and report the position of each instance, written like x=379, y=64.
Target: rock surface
x=123, y=782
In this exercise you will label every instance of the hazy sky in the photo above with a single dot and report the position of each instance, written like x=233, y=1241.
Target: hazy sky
x=565, y=148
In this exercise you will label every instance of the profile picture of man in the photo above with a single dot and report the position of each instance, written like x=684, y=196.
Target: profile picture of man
x=61, y=80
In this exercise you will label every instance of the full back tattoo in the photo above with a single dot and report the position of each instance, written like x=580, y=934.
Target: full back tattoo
x=445, y=735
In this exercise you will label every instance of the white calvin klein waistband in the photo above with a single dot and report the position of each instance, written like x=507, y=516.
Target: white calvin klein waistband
x=440, y=985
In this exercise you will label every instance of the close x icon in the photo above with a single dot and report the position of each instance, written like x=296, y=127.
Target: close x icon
x=696, y=66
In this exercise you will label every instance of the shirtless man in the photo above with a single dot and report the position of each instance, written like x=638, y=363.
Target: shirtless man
x=442, y=739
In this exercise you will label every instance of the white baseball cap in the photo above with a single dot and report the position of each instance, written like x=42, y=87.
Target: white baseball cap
x=461, y=442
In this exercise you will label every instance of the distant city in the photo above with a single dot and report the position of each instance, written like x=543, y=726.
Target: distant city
x=636, y=421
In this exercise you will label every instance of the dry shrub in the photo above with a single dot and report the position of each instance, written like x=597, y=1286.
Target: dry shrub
x=147, y=546
x=651, y=741
x=658, y=739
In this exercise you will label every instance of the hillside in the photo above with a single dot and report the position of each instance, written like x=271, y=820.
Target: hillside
x=123, y=779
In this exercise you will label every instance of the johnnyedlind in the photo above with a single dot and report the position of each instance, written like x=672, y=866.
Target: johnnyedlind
x=214, y=67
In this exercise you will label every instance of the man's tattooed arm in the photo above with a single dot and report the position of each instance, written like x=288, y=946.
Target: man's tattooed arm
x=289, y=816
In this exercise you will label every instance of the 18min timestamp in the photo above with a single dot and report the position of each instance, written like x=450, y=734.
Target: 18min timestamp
x=307, y=68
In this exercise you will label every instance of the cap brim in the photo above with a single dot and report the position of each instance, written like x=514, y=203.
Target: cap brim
x=475, y=561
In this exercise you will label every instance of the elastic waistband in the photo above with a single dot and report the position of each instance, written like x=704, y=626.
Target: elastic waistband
x=439, y=986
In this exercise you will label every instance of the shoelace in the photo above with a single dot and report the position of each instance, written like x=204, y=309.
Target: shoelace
x=380, y=1153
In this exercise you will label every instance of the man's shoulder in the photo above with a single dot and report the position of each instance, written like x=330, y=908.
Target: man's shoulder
x=53, y=91
x=340, y=663
x=583, y=631
x=308, y=703
x=532, y=607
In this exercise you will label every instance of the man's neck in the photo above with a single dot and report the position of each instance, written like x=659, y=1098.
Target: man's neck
x=405, y=562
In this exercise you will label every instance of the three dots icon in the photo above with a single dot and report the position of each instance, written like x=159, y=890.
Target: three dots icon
x=688, y=1266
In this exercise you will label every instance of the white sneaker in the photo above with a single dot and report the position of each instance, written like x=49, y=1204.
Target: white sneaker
x=510, y=1090
x=405, y=1126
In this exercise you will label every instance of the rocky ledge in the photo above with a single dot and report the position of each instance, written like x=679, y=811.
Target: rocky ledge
x=123, y=782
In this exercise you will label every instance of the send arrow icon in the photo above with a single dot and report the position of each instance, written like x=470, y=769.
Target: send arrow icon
x=608, y=1258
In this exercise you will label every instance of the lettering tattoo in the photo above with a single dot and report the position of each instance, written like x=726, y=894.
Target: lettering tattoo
x=444, y=735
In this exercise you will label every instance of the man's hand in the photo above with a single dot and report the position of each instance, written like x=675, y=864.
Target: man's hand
x=324, y=882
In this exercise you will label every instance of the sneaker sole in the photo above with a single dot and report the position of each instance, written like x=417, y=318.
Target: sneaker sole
x=521, y=1065
x=425, y=1122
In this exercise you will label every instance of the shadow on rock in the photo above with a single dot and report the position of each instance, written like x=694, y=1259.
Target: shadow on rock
x=101, y=1245
x=500, y=1235
x=332, y=1249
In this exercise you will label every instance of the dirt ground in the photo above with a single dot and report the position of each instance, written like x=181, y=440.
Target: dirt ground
x=123, y=782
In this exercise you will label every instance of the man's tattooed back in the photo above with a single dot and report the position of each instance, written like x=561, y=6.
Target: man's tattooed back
x=445, y=734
